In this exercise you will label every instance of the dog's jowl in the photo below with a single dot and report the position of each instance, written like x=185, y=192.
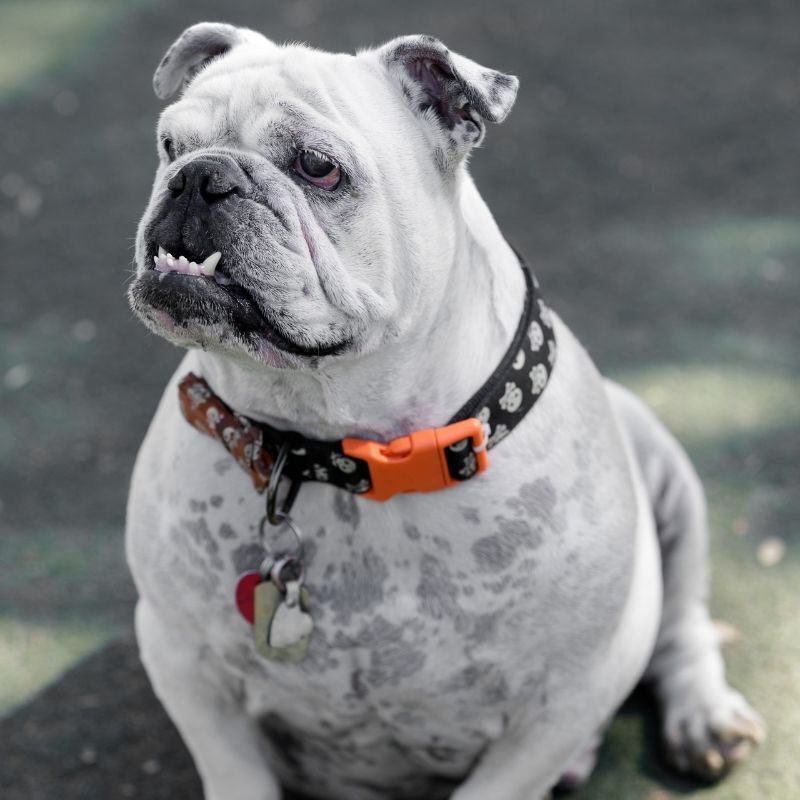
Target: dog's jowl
x=393, y=535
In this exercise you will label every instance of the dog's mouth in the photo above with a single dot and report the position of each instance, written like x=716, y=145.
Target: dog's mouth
x=165, y=263
x=201, y=293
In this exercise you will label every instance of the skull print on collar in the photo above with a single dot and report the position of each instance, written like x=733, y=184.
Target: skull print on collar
x=422, y=461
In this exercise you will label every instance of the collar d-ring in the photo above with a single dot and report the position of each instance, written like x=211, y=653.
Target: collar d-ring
x=274, y=515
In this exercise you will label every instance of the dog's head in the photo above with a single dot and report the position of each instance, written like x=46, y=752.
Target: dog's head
x=305, y=202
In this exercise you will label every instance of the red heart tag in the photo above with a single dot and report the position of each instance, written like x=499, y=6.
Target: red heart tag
x=245, y=590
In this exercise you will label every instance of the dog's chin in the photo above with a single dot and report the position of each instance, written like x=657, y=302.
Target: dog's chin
x=197, y=312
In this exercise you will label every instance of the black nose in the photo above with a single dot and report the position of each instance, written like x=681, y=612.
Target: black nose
x=209, y=179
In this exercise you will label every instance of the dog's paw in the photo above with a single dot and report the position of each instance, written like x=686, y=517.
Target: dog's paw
x=706, y=738
x=580, y=767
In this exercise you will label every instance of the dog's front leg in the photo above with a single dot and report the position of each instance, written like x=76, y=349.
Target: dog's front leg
x=526, y=763
x=225, y=743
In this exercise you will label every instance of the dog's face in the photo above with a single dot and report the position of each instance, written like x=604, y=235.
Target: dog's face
x=305, y=202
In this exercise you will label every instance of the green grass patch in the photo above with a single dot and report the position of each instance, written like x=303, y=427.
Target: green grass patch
x=63, y=593
x=32, y=655
x=706, y=405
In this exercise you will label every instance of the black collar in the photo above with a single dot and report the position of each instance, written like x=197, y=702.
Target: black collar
x=422, y=461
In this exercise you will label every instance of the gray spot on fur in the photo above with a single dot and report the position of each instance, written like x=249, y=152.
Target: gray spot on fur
x=216, y=500
x=538, y=500
x=484, y=626
x=346, y=509
x=201, y=535
x=496, y=587
x=309, y=551
x=198, y=506
x=358, y=588
x=248, y=557
x=226, y=531
x=436, y=592
x=443, y=544
x=192, y=573
x=470, y=514
x=487, y=677
x=497, y=552
x=357, y=684
x=393, y=657
x=437, y=597
x=222, y=465
x=412, y=531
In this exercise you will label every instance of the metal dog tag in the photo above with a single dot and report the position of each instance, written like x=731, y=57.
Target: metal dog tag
x=288, y=640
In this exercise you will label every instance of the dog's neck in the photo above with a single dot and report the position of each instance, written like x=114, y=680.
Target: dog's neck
x=415, y=382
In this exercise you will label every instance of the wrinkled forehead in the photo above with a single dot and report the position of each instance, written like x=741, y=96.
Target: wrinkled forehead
x=270, y=99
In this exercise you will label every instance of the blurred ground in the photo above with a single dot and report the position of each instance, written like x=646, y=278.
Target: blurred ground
x=650, y=171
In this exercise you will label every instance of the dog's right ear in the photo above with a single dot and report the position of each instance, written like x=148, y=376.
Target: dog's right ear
x=193, y=49
x=451, y=92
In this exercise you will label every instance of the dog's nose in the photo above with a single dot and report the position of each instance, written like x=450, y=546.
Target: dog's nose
x=210, y=179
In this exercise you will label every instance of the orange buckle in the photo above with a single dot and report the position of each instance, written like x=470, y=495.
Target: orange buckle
x=416, y=463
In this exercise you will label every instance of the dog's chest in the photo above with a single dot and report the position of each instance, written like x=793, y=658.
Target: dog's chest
x=437, y=618
x=412, y=669
x=431, y=620
x=399, y=609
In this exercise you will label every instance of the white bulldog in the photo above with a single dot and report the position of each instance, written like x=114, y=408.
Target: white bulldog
x=341, y=276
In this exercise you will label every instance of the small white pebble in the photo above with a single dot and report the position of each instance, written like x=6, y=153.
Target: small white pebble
x=771, y=551
x=29, y=201
x=151, y=766
x=17, y=377
x=88, y=756
x=84, y=330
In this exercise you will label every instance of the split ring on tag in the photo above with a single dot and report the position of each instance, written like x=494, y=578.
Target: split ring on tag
x=286, y=571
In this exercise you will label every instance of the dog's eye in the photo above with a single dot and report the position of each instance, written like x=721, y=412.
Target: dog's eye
x=317, y=169
x=169, y=148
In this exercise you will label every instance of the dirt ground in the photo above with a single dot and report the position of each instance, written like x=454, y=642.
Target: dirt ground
x=651, y=173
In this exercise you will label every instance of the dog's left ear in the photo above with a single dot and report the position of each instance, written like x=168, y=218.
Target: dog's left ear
x=193, y=49
x=448, y=90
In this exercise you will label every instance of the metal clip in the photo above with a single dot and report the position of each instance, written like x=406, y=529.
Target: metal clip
x=280, y=516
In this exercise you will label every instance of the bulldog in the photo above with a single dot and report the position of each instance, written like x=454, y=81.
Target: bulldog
x=479, y=545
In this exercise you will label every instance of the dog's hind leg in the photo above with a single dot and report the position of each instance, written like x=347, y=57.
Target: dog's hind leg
x=706, y=725
x=225, y=743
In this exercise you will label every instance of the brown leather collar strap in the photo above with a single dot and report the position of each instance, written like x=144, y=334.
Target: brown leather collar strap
x=243, y=439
